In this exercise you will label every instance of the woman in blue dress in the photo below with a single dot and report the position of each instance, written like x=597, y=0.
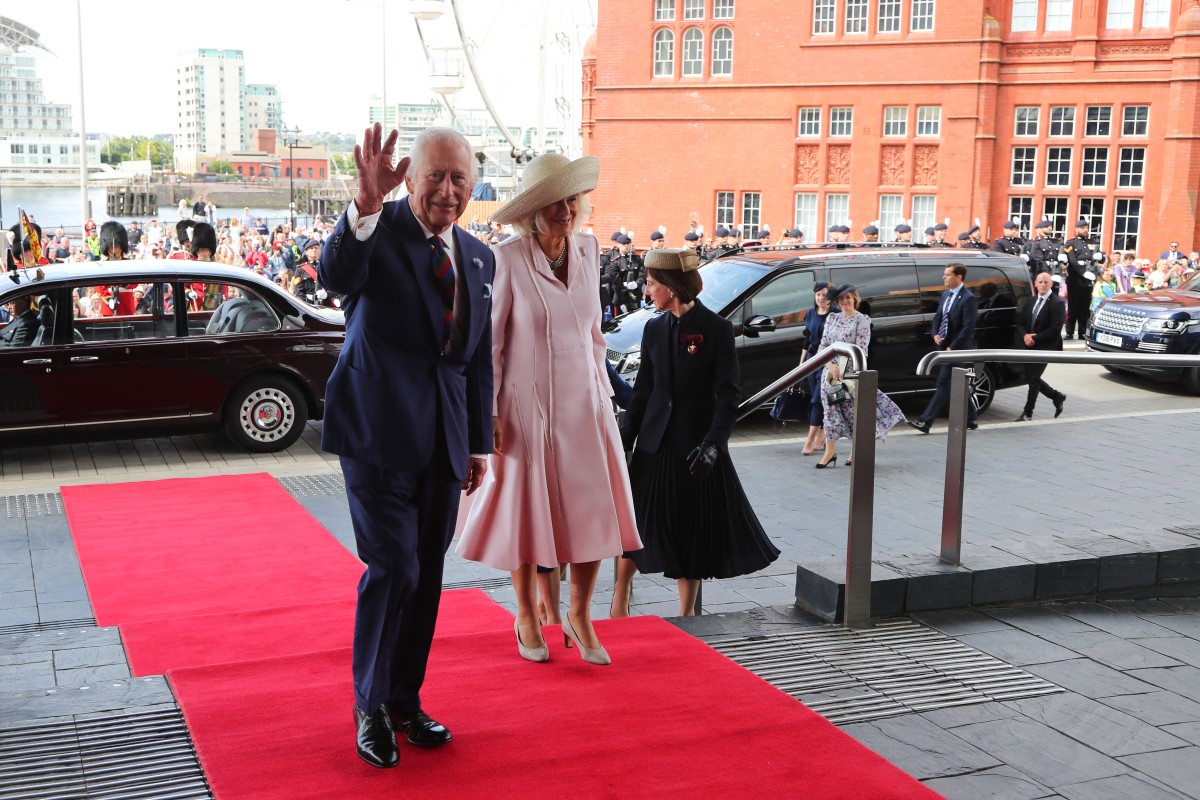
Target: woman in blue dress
x=814, y=324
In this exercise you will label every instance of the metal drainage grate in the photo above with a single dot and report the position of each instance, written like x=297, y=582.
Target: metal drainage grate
x=304, y=485
x=40, y=627
x=146, y=755
x=482, y=583
x=44, y=504
x=898, y=667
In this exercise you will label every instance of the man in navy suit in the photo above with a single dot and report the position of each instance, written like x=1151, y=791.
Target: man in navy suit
x=953, y=329
x=1039, y=327
x=408, y=410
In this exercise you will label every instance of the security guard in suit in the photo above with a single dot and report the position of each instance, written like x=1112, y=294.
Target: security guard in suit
x=1042, y=251
x=1011, y=242
x=1081, y=254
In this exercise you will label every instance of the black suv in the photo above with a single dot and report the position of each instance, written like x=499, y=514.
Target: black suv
x=765, y=292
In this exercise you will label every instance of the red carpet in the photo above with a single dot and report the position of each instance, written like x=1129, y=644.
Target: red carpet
x=671, y=718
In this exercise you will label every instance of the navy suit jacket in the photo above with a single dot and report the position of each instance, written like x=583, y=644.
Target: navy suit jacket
x=963, y=316
x=394, y=388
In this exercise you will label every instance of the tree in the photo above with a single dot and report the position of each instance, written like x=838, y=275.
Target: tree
x=220, y=167
x=158, y=151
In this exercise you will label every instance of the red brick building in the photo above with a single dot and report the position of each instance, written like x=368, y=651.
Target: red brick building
x=822, y=112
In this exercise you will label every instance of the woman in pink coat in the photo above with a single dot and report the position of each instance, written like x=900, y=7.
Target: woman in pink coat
x=558, y=489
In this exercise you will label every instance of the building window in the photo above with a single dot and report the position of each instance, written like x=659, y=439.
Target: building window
x=722, y=9
x=1024, y=161
x=891, y=214
x=841, y=121
x=929, y=120
x=809, y=121
x=692, y=50
x=1120, y=15
x=1099, y=121
x=895, y=120
x=805, y=217
x=1024, y=15
x=1136, y=120
x=664, y=10
x=1156, y=13
x=888, y=16
x=1092, y=210
x=1132, y=168
x=1020, y=211
x=693, y=9
x=824, y=16
x=1058, y=14
x=837, y=210
x=1062, y=120
x=924, y=211
x=1058, y=166
x=1026, y=121
x=1126, y=222
x=922, y=15
x=664, y=54
x=751, y=213
x=856, y=16
x=1095, y=167
x=1055, y=210
x=722, y=52
x=724, y=209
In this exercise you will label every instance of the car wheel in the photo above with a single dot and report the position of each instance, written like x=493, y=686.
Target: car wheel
x=1191, y=380
x=983, y=389
x=265, y=415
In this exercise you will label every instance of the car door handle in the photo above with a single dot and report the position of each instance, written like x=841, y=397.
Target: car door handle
x=78, y=359
x=32, y=361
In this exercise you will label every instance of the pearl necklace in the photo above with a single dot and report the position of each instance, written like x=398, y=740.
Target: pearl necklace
x=555, y=263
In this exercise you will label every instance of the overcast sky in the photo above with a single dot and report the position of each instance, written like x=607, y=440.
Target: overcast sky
x=325, y=56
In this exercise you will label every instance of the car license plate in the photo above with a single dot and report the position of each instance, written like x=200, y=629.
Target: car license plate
x=1109, y=339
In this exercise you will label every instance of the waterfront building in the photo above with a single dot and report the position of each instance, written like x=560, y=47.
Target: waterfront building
x=741, y=113
x=407, y=118
x=264, y=109
x=211, y=94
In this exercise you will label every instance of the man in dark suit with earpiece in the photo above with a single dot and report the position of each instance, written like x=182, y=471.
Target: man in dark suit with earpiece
x=1039, y=327
x=953, y=329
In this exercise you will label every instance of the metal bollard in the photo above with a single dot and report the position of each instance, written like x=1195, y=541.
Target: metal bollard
x=956, y=465
x=862, y=505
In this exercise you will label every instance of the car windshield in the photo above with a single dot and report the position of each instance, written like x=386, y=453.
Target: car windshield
x=725, y=280
x=1192, y=284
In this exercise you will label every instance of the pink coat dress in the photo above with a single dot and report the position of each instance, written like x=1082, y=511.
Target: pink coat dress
x=560, y=490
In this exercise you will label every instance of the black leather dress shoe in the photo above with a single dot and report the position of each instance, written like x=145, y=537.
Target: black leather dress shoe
x=923, y=427
x=972, y=426
x=376, y=741
x=421, y=729
x=1058, y=404
x=1024, y=418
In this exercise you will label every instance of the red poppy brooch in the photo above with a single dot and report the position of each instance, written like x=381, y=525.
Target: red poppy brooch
x=693, y=342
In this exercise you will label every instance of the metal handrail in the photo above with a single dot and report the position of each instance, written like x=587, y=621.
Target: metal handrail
x=858, y=363
x=938, y=358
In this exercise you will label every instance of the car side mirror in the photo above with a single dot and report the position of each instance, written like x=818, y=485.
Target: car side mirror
x=757, y=324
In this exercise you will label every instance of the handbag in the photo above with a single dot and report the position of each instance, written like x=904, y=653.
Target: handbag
x=792, y=405
x=837, y=393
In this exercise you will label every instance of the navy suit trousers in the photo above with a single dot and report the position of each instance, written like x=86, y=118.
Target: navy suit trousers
x=941, y=398
x=403, y=523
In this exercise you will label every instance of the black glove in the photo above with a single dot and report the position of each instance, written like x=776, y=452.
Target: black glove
x=701, y=460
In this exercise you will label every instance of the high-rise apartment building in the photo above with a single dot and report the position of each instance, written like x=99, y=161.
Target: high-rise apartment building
x=408, y=118
x=264, y=110
x=211, y=92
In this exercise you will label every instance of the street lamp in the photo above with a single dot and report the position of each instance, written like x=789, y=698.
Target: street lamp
x=289, y=138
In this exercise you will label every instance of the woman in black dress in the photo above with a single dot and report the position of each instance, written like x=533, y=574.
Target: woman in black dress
x=693, y=517
x=814, y=325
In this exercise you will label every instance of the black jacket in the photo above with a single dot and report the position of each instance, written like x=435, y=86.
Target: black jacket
x=1047, y=328
x=700, y=399
x=21, y=330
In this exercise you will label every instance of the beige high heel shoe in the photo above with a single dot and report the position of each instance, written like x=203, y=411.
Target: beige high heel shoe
x=539, y=654
x=592, y=655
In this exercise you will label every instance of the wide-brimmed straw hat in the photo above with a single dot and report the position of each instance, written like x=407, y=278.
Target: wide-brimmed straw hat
x=549, y=178
x=684, y=260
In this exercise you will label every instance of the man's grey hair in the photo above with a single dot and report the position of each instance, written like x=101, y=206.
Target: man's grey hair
x=440, y=136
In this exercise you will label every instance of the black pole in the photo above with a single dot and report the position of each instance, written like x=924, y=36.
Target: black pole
x=291, y=142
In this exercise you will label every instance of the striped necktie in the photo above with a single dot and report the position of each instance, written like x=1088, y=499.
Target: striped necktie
x=443, y=274
x=944, y=325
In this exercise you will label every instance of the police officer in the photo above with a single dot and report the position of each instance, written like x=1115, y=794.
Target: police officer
x=972, y=239
x=657, y=241
x=939, y=236
x=1011, y=242
x=870, y=234
x=903, y=233
x=1081, y=254
x=1042, y=250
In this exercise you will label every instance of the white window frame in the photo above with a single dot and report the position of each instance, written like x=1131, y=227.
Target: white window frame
x=1024, y=16
x=922, y=18
x=693, y=10
x=804, y=216
x=1056, y=177
x=664, y=62
x=929, y=121
x=664, y=10
x=1059, y=14
x=1098, y=177
x=824, y=17
x=1026, y=157
x=1126, y=120
x=1020, y=211
x=857, y=14
x=691, y=51
x=808, y=121
x=1032, y=120
x=1120, y=15
x=891, y=214
x=1100, y=119
x=1096, y=221
x=887, y=16
x=723, y=9
x=1125, y=235
x=722, y=52
x=1131, y=167
x=751, y=214
x=895, y=121
x=1156, y=13
x=1062, y=118
x=725, y=210
x=841, y=121
x=837, y=212
x=924, y=211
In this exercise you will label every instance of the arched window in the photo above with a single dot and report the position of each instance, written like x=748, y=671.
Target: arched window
x=722, y=52
x=664, y=54
x=693, y=53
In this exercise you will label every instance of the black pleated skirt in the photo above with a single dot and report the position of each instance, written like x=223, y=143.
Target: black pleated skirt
x=694, y=527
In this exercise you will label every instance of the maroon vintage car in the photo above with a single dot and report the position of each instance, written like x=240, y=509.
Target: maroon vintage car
x=107, y=349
